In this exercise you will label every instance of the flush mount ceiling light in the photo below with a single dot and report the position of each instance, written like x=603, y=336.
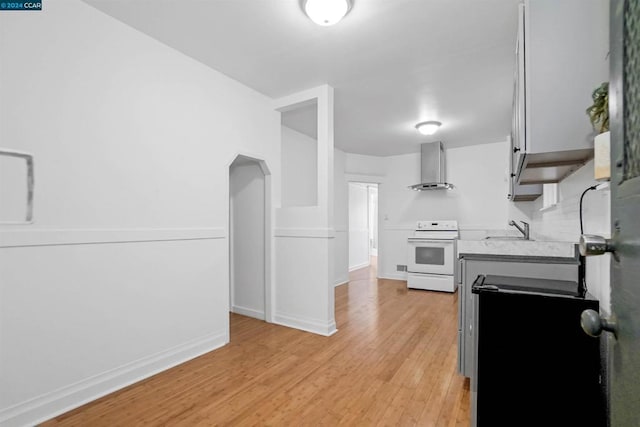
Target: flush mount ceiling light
x=326, y=12
x=428, y=128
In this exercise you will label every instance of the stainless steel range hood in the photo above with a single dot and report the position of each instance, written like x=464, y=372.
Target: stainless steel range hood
x=432, y=168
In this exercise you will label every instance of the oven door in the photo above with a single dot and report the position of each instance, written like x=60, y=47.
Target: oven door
x=431, y=256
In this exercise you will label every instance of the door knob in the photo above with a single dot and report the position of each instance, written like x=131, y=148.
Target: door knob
x=593, y=325
x=595, y=245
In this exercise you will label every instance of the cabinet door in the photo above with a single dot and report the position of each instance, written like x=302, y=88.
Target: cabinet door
x=473, y=268
x=512, y=170
x=520, y=142
x=462, y=311
x=532, y=357
x=518, y=147
x=566, y=49
x=518, y=192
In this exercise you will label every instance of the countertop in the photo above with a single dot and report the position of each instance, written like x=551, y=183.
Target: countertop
x=518, y=248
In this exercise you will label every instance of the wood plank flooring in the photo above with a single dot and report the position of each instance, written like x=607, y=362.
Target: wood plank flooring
x=392, y=362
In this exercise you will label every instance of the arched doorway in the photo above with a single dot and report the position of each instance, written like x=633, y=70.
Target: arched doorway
x=250, y=238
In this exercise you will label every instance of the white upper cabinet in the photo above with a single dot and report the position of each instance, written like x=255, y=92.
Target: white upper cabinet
x=519, y=192
x=562, y=56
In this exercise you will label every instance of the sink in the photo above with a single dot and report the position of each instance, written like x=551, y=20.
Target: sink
x=507, y=238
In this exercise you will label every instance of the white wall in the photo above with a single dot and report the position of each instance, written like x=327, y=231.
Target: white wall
x=562, y=223
x=247, y=191
x=480, y=205
x=358, y=226
x=125, y=270
x=13, y=189
x=359, y=164
x=304, y=235
x=478, y=202
x=341, y=215
x=355, y=168
x=299, y=169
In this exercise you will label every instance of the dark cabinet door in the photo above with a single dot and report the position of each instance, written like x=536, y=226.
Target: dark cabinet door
x=536, y=366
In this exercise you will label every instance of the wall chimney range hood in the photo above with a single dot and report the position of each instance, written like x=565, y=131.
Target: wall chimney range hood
x=432, y=167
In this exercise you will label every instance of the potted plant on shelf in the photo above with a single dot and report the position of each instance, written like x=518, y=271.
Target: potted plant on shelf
x=599, y=111
x=599, y=116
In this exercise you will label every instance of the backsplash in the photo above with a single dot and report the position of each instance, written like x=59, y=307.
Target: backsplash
x=562, y=222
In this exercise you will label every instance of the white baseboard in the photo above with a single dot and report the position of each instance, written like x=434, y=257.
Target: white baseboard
x=309, y=325
x=248, y=312
x=359, y=266
x=341, y=281
x=49, y=405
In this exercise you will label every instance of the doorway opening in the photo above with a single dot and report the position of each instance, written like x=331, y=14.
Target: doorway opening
x=249, y=241
x=363, y=225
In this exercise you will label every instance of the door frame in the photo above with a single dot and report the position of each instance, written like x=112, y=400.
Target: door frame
x=269, y=293
x=367, y=179
x=620, y=390
x=369, y=217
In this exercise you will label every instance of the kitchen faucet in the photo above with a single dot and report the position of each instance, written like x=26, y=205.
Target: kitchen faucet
x=524, y=231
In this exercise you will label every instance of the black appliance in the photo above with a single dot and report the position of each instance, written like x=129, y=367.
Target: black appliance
x=535, y=364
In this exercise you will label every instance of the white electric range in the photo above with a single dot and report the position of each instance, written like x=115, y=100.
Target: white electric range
x=432, y=252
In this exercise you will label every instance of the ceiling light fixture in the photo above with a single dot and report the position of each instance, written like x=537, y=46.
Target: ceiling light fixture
x=428, y=128
x=326, y=12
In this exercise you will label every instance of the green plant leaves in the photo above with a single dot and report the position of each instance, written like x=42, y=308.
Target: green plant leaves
x=599, y=111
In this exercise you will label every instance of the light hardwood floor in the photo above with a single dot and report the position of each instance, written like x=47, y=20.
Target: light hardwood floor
x=392, y=362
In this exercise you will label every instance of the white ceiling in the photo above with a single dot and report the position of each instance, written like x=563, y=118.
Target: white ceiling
x=393, y=63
